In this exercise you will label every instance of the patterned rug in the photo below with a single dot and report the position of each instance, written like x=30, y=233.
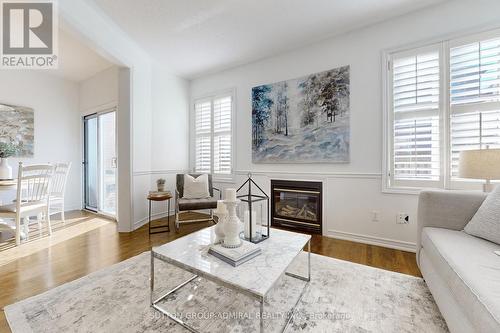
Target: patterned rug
x=342, y=297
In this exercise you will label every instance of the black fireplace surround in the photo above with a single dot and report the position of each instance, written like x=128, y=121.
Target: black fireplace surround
x=297, y=205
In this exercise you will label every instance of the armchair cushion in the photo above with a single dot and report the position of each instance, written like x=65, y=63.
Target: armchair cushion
x=196, y=188
x=180, y=183
x=197, y=204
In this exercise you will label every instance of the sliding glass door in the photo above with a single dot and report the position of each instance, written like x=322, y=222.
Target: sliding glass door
x=100, y=169
x=90, y=162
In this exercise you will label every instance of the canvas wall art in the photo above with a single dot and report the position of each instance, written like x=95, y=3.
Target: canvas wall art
x=17, y=126
x=304, y=120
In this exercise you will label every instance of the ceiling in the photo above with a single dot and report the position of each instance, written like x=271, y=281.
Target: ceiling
x=77, y=61
x=196, y=37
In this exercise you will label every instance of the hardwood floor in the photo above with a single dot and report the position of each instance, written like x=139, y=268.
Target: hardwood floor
x=94, y=244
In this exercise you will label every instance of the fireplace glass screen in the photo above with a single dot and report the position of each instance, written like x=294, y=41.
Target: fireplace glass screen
x=296, y=205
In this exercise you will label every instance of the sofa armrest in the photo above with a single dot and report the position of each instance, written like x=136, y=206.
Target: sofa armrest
x=446, y=209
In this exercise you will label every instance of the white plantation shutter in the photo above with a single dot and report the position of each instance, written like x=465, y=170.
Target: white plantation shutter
x=475, y=72
x=441, y=99
x=203, y=133
x=222, y=135
x=474, y=97
x=415, y=113
x=213, y=135
x=474, y=130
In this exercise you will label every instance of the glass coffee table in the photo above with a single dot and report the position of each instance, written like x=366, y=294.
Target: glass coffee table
x=255, y=278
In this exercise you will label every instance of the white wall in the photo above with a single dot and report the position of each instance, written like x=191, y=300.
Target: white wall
x=353, y=190
x=169, y=135
x=163, y=150
x=57, y=122
x=134, y=100
x=101, y=90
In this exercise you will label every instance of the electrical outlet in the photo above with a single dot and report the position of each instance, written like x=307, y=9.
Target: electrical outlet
x=402, y=218
x=375, y=216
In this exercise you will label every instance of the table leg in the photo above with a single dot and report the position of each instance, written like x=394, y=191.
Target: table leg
x=152, y=282
x=261, y=312
x=168, y=214
x=149, y=218
x=300, y=277
x=154, y=301
x=309, y=260
x=163, y=227
x=303, y=278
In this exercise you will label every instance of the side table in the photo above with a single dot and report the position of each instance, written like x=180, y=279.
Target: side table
x=159, y=196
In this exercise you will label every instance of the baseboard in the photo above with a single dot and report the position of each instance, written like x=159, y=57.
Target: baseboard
x=145, y=220
x=384, y=242
x=73, y=207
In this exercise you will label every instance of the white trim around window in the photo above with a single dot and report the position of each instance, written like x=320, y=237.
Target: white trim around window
x=212, y=141
x=424, y=126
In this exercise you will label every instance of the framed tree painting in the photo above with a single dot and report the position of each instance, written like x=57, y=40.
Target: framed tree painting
x=304, y=120
x=17, y=127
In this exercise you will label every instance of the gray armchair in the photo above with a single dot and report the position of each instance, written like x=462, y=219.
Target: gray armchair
x=185, y=205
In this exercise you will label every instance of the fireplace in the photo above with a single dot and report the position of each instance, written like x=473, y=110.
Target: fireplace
x=297, y=205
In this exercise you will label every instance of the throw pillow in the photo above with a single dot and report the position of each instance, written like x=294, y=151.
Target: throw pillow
x=196, y=188
x=486, y=222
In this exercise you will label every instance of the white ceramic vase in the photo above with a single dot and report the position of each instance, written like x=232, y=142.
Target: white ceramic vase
x=221, y=214
x=5, y=169
x=232, y=225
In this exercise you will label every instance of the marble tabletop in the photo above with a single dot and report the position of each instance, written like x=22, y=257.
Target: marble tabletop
x=256, y=276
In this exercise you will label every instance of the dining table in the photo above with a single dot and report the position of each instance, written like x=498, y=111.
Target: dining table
x=6, y=185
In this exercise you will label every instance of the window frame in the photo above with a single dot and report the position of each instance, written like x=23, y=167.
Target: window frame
x=446, y=181
x=192, y=132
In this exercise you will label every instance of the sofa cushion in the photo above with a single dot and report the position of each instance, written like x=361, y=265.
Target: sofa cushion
x=471, y=270
x=196, y=204
x=486, y=222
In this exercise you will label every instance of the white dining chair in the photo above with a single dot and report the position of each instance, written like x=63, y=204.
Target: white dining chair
x=32, y=199
x=58, y=189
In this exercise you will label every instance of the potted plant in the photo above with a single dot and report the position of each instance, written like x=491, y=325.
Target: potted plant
x=160, y=184
x=7, y=149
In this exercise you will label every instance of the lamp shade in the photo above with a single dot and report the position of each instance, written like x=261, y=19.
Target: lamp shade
x=479, y=164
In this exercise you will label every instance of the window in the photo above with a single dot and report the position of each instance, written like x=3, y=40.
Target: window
x=441, y=99
x=213, y=123
x=474, y=97
x=416, y=112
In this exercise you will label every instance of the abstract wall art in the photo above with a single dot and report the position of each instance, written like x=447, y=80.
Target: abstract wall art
x=17, y=127
x=304, y=120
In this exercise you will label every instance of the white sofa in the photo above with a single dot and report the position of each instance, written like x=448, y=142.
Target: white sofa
x=462, y=271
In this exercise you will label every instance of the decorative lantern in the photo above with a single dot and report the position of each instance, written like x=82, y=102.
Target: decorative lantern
x=253, y=211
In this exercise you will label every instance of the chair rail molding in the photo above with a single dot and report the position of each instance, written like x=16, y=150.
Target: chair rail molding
x=363, y=175
x=158, y=172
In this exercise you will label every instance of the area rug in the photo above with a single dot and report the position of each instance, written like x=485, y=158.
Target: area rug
x=342, y=297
